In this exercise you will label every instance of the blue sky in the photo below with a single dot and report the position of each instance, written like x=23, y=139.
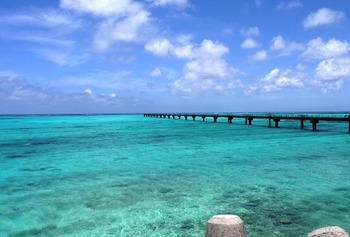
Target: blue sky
x=125, y=56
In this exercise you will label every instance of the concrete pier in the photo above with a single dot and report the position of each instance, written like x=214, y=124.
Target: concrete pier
x=225, y=226
x=248, y=118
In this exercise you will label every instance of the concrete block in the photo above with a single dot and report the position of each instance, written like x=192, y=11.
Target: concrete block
x=225, y=226
x=330, y=231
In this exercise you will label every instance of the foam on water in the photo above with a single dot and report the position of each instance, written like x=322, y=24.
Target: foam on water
x=135, y=176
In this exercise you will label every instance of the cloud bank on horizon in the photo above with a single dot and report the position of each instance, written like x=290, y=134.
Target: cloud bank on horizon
x=115, y=56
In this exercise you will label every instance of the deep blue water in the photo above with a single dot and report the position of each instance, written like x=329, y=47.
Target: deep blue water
x=127, y=175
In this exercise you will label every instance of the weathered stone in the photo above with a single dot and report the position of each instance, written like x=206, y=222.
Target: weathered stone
x=330, y=231
x=225, y=226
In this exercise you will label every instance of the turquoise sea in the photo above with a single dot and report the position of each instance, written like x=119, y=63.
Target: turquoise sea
x=129, y=175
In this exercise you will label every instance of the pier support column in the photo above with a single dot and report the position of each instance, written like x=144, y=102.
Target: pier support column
x=193, y=117
x=168, y=116
x=203, y=118
x=314, y=124
x=269, y=122
x=302, y=124
x=225, y=226
x=250, y=121
x=185, y=117
x=229, y=119
x=215, y=119
x=173, y=116
x=276, y=122
x=246, y=120
x=349, y=125
x=179, y=116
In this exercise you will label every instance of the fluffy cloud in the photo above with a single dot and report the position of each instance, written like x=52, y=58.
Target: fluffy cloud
x=179, y=3
x=203, y=76
x=122, y=20
x=114, y=30
x=276, y=80
x=259, y=56
x=252, y=31
x=116, y=8
x=14, y=88
x=160, y=47
x=318, y=49
x=333, y=69
x=290, y=5
x=323, y=16
x=249, y=43
x=278, y=43
x=155, y=73
x=207, y=49
x=205, y=69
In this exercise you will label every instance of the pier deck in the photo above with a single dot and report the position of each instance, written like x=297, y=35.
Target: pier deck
x=313, y=118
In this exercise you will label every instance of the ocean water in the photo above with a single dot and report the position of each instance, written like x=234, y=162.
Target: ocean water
x=129, y=175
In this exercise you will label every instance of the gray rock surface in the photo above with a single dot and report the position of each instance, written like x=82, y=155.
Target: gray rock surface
x=330, y=231
x=225, y=226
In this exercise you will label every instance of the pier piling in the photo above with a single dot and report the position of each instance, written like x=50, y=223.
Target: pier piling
x=250, y=119
x=314, y=124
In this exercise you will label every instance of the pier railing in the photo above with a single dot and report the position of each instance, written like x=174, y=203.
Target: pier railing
x=249, y=117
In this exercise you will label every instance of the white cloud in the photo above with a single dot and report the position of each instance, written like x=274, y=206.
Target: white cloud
x=210, y=49
x=201, y=76
x=126, y=30
x=179, y=3
x=323, y=16
x=62, y=58
x=59, y=22
x=88, y=91
x=249, y=43
x=122, y=20
x=43, y=39
x=326, y=86
x=318, y=49
x=207, y=49
x=276, y=80
x=159, y=47
x=333, y=69
x=290, y=5
x=260, y=56
x=278, y=43
x=16, y=89
x=157, y=72
x=115, y=8
x=205, y=70
x=252, y=31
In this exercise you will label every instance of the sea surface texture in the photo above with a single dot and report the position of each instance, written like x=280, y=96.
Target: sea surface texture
x=129, y=175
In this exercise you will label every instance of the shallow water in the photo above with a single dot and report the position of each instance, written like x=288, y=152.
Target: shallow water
x=127, y=175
